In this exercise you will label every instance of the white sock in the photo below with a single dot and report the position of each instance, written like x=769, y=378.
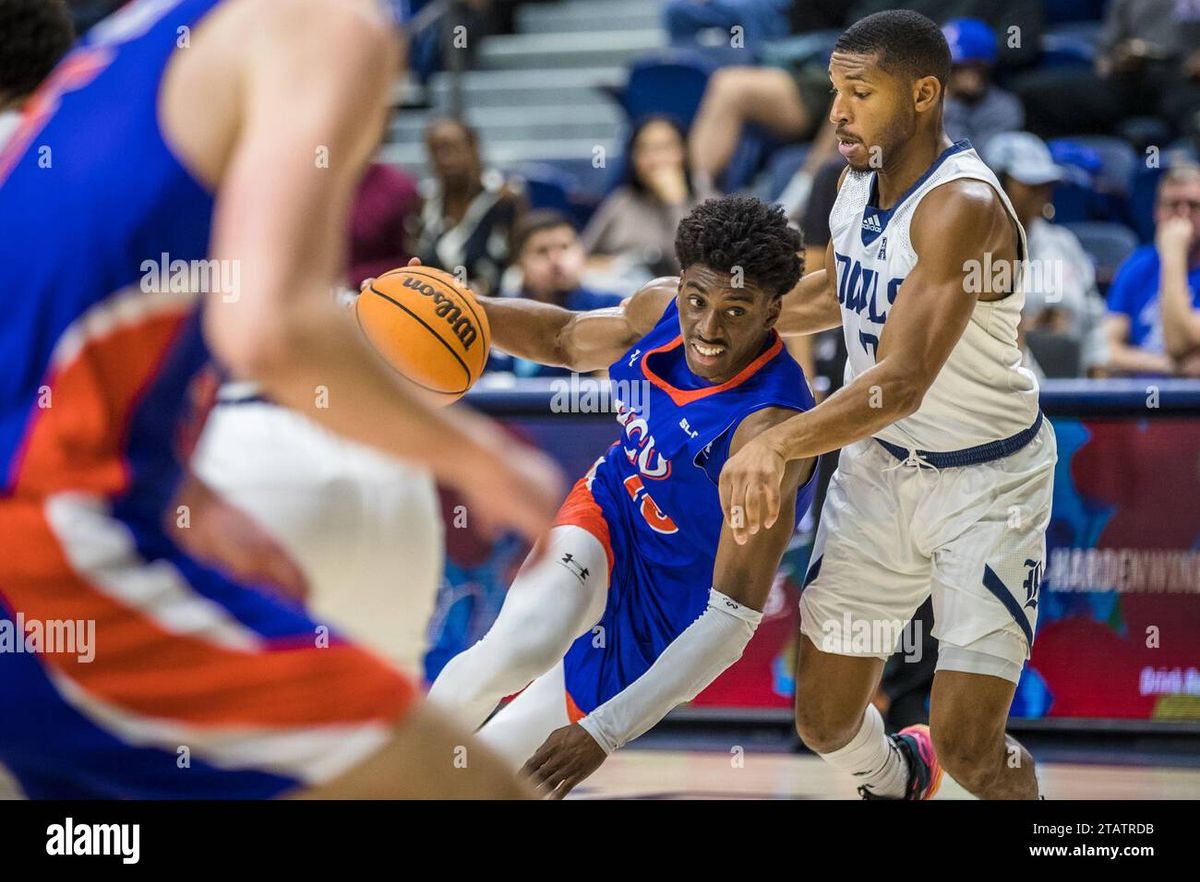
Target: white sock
x=872, y=759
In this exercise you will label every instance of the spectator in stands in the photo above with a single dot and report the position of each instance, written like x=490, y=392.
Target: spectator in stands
x=1154, y=303
x=636, y=222
x=1062, y=302
x=385, y=209
x=1148, y=65
x=550, y=258
x=34, y=35
x=976, y=109
x=468, y=214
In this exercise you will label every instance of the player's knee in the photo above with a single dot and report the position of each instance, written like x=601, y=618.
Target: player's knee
x=971, y=755
x=525, y=653
x=823, y=729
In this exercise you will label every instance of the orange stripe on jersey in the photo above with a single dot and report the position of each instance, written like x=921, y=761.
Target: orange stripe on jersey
x=142, y=668
x=686, y=396
x=77, y=440
x=580, y=509
x=574, y=714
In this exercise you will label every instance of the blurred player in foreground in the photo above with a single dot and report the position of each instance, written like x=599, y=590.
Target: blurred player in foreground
x=945, y=478
x=643, y=597
x=137, y=235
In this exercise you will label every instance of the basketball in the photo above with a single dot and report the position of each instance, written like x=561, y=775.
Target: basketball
x=428, y=327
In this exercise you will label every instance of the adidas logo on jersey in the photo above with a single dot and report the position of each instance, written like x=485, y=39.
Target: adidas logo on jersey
x=871, y=223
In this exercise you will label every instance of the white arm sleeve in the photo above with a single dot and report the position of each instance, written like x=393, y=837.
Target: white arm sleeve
x=693, y=660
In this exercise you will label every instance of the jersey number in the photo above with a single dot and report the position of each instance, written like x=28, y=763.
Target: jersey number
x=653, y=515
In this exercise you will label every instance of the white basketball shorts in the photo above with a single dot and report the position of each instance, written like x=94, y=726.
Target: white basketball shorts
x=974, y=536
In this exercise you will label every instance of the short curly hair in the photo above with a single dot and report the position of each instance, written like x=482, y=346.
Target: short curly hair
x=34, y=35
x=741, y=231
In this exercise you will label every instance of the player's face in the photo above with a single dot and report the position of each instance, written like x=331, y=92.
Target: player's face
x=724, y=320
x=873, y=111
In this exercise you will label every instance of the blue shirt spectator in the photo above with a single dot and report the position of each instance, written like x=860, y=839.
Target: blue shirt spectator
x=1154, y=304
x=1134, y=294
x=551, y=259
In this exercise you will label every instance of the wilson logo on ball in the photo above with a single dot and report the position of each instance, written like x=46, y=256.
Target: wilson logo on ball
x=446, y=309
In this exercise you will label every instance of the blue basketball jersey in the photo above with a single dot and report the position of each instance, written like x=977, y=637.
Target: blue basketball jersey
x=657, y=491
x=97, y=354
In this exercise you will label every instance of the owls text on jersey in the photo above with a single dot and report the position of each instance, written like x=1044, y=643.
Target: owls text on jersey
x=982, y=394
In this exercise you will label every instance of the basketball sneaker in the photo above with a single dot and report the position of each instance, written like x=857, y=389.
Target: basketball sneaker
x=924, y=771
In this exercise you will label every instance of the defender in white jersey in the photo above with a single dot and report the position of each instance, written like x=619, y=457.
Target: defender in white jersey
x=945, y=476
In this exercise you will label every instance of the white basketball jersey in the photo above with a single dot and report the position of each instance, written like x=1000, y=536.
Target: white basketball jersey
x=982, y=393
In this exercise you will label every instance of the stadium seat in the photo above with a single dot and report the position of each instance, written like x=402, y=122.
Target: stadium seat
x=1100, y=170
x=1118, y=161
x=1070, y=46
x=782, y=166
x=1107, y=244
x=547, y=186
x=670, y=82
x=1062, y=11
x=1141, y=202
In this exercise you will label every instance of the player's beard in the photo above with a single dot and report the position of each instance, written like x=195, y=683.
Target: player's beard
x=899, y=131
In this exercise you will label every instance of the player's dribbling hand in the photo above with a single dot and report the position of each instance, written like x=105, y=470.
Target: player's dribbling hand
x=749, y=488
x=366, y=283
x=566, y=757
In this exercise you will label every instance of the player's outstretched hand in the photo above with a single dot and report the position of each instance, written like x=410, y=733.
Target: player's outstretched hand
x=749, y=488
x=566, y=757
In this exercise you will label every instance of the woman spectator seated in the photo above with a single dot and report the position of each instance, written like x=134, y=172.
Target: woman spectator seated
x=633, y=230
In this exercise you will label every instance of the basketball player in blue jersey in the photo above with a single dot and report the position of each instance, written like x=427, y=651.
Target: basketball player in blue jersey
x=945, y=477
x=643, y=597
x=135, y=151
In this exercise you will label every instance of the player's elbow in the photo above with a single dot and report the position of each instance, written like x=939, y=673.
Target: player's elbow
x=902, y=393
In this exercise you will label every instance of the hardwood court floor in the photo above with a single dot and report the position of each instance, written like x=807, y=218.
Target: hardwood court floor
x=692, y=774
x=677, y=774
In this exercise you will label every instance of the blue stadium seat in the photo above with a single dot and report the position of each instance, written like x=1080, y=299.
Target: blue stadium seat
x=782, y=166
x=1101, y=169
x=547, y=186
x=1118, y=161
x=1060, y=11
x=670, y=82
x=1070, y=46
x=1107, y=244
x=1141, y=202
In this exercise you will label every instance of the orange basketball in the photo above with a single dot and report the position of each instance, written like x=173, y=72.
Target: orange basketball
x=428, y=327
